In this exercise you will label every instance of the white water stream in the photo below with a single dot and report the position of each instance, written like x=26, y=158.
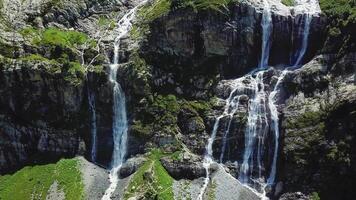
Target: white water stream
x=120, y=125
x=266, y=34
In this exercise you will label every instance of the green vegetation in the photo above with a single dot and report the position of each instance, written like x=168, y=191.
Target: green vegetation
x=314, y=196
x=342, y=20
x=106, y=23
x=211, y=191
x=310, y=118
x=7, y=50
x=63, y=47
x=156, y=10
x=34, y=182
x=288, y=2
x=56, y=37
x=217, y=5
x=151, y=179
x=36, y=58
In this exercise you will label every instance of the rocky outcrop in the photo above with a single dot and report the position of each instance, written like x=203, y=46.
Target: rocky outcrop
x=318, y=123
x=189, y=167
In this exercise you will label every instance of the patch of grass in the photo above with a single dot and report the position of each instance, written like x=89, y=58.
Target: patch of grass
x=34, y=182
x=75, y=73
x=288, y=2
x=217, y=5
x=56, y=37
x=37, y=57
x=155, y=10
x=151, y=180
x=105, y=22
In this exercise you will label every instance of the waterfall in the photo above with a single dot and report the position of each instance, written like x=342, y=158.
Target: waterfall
x=306, y=19
x=255, y=132
x=120, y=125
x=266, y=24
x=93, y=132
x=208, y=158
x=231, y=107
x=304, y=28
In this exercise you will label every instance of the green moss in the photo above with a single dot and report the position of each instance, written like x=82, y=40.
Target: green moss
x=155, y=10
x=288, y=2
x=151, y=179
x=307, y=119
x=314, y=196
x=34, y=182
x=341, y=22
x=7, y=50
x=36, y=58
x=75, y=73
x=217, y=5
x=211, y=191
x=141, y=130
x=56, y=37
x=106, y=23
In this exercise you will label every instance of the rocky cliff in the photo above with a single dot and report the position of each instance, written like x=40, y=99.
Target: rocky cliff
x=178, y=65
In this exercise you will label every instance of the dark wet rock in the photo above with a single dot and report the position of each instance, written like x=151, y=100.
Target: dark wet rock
x=188, y=168
x=130, y=166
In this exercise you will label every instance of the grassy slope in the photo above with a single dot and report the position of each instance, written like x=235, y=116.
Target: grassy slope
x=158, y=184
x=35, y=181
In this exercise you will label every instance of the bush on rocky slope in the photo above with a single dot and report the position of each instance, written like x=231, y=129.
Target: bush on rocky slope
x=342, y=24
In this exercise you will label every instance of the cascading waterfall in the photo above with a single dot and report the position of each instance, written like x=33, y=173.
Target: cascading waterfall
x=252, y=169
x=230, y=112
x=120, y=125
x=256, y=130
x=266, y=34
x=304, y=27
x=231, y=107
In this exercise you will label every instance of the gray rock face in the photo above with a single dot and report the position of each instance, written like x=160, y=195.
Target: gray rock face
x=183, y=169
x=188, y=46
x=39, y=114
x=318, y=127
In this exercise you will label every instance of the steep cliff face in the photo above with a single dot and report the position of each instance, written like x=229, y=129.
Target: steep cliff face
x=178, y=66
x=318, y=122
x=191, y=49
x=46, y=70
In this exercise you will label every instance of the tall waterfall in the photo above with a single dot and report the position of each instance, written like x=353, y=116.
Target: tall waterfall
x=256, y=130
x=304, y=28
x=266, y=24
x=120, y=125
x=308, y=8
x=93, y=131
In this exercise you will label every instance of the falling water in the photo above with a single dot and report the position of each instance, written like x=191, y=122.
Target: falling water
x=120, y=125
x=92, y=110
x=272, y=104
x=208, y=158
x=308, y=8
x=305, y=29
x=230, y=110
x=231, y=107
x=255, y=132
x=266, y=24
